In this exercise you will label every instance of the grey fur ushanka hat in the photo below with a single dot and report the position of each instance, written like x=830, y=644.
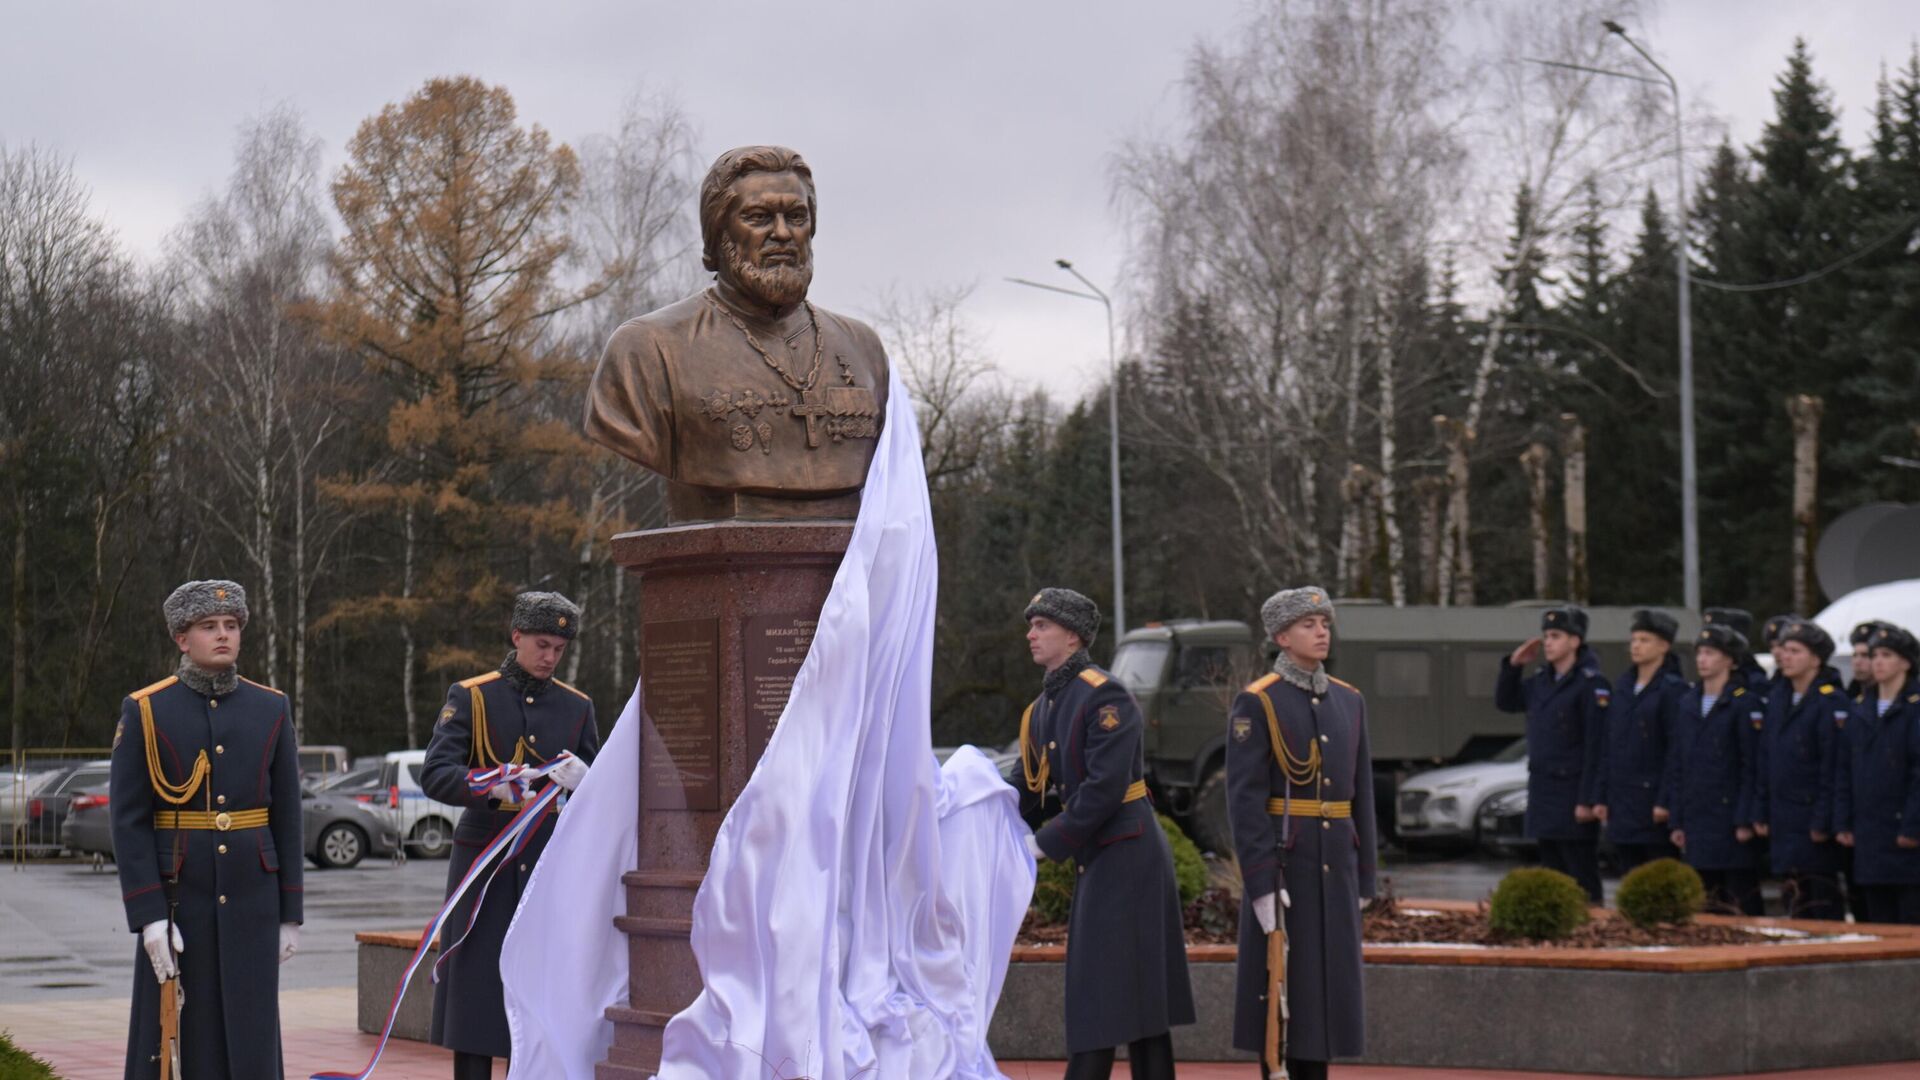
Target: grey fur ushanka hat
x=1289, y=606
x=1074, y=611
x=546, y=613
x=198, y=600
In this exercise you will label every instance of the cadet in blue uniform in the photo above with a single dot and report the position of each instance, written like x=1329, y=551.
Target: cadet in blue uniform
x=1740, y=621
x=1300, y=800
x=1877, y=798
x=1631, y=799
x=207, y=839
x=1794, y=772
x=518, y=714
x=1860, y=659
x=1566, y=704
x=1081, y=744
x=1710, y=773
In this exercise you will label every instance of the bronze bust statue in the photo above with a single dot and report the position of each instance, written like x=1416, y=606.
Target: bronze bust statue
x=751, y=401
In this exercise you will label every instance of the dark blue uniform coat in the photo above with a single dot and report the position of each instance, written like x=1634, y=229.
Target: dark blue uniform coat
x=1877, y=795
x=1794, y=775
x=531, y=725
x=1710, y=776
x=1566, y=733
x=230, y=890
x=1126, y=951
x=1326, y=865
x=1633, y=769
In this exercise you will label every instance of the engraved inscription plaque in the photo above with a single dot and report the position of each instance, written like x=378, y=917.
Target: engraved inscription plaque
x=775, y=647
x=680, y=663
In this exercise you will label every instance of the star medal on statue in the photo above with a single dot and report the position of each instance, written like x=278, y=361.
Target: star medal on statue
x=717, y=405
x=1242, y=728
x=1109, y=717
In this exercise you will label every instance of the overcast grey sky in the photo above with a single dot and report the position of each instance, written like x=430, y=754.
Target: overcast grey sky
x=956, y=142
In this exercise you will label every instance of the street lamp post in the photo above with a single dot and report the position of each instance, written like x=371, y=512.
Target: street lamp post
x=1113, y=433
x=1689, y=482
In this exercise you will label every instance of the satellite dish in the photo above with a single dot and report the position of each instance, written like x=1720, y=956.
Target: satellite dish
x=1836, y=559
x=1890, y=550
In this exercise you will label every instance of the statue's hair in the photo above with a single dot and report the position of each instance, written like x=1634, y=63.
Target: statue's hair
x=717, y=196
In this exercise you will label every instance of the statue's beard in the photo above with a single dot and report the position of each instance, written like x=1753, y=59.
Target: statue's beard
x=779, y=286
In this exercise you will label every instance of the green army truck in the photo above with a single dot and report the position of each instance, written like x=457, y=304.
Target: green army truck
x=1428, y=674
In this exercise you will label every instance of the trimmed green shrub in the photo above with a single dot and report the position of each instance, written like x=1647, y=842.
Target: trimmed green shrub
x=17, y=1064
x=1664, y=891
x=1053, y=889
x=1533, y=902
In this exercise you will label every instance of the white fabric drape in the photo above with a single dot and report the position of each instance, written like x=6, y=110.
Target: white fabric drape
x=860, y=903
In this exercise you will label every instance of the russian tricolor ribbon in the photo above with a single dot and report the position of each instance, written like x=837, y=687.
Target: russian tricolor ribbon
x=511, y=841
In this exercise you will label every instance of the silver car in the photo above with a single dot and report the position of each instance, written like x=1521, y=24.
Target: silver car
x=1442, y=806
x=339, y=832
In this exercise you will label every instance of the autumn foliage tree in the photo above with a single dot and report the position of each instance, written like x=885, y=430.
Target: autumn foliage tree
x=445, y=282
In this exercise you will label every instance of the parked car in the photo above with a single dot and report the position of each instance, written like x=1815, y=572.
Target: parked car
x=34, y=811
x=425, y=823
x=320, y=763
x=338, y=832
x=1441, y=807
x=1503, y=822
x=356, y=781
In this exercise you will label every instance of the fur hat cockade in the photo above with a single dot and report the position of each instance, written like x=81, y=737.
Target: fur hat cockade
x=1289, y=606
x=546, y=613
x=1887, y=636
x=1722, y=636
x=1774, y=630
x=198, y=600
x=1864, y=633
x=1072, y=610
x=1806, y=633
x=1739, y=620
x=1568, y=618
x=1655, y=622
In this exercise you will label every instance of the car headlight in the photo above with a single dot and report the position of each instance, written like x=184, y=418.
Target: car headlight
x=1443, y=808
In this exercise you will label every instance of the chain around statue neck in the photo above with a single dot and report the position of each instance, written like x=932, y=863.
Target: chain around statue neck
x=813, y=374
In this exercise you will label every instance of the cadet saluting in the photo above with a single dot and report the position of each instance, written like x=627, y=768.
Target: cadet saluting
x=516, y=715
x=207, y=839
x=1081, y=741
x=1710, y=774
x=1566, y=704
x=1300, y=799
x=1794, y=771
x=1878, y=787
x=1630, y=798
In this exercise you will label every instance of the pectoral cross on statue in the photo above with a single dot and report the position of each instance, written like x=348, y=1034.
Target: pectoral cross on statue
x=810, y=408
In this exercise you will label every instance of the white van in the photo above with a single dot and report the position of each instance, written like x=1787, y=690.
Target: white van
x=425, y=824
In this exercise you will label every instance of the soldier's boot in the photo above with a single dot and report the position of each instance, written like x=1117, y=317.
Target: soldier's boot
x=1090, y=1065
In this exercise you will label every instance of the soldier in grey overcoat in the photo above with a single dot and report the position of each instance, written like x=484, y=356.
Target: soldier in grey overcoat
x=1300, y=800
x=1081, y=747
x=518, y=714
x=207, y=840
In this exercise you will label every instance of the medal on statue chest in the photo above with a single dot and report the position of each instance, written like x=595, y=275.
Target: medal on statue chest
x=832, y=413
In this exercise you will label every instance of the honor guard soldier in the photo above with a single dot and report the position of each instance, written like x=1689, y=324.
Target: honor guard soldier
x=1794, y=771
x=518, y=714
x=208, y=842
x=1566, y=705
x=1740, y=621
x=1081, y=743
x=1300, y=800
x=1860, y=659
x=1631, y=799
x=1877, y=797
x=1710, y=772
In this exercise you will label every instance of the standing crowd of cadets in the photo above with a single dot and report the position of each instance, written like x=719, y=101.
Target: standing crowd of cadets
x=1799, y=774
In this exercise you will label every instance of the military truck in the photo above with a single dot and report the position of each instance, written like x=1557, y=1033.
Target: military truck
x=1428, y=674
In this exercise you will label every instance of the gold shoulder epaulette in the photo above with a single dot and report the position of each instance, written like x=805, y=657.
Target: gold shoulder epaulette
x=1826, y=688
x=565, y=686
x=1343, y=682
x=149, y=691
x=1739, y=691
x=262, y=686
x=1093, y=678
x=479, y=680
x=1260, y=684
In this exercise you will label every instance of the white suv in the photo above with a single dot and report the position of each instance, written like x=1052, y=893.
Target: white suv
x=425, y=823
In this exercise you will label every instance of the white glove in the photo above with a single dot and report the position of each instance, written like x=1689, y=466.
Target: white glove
x=1264, y=913
x=153, y=938
x=504, y=792
x=1033, y=848
x=569, y=771
x=289, y=940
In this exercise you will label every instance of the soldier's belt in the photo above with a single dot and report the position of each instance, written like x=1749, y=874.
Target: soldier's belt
x=206, y=819
x=1135, y=791
x=1336, y=811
